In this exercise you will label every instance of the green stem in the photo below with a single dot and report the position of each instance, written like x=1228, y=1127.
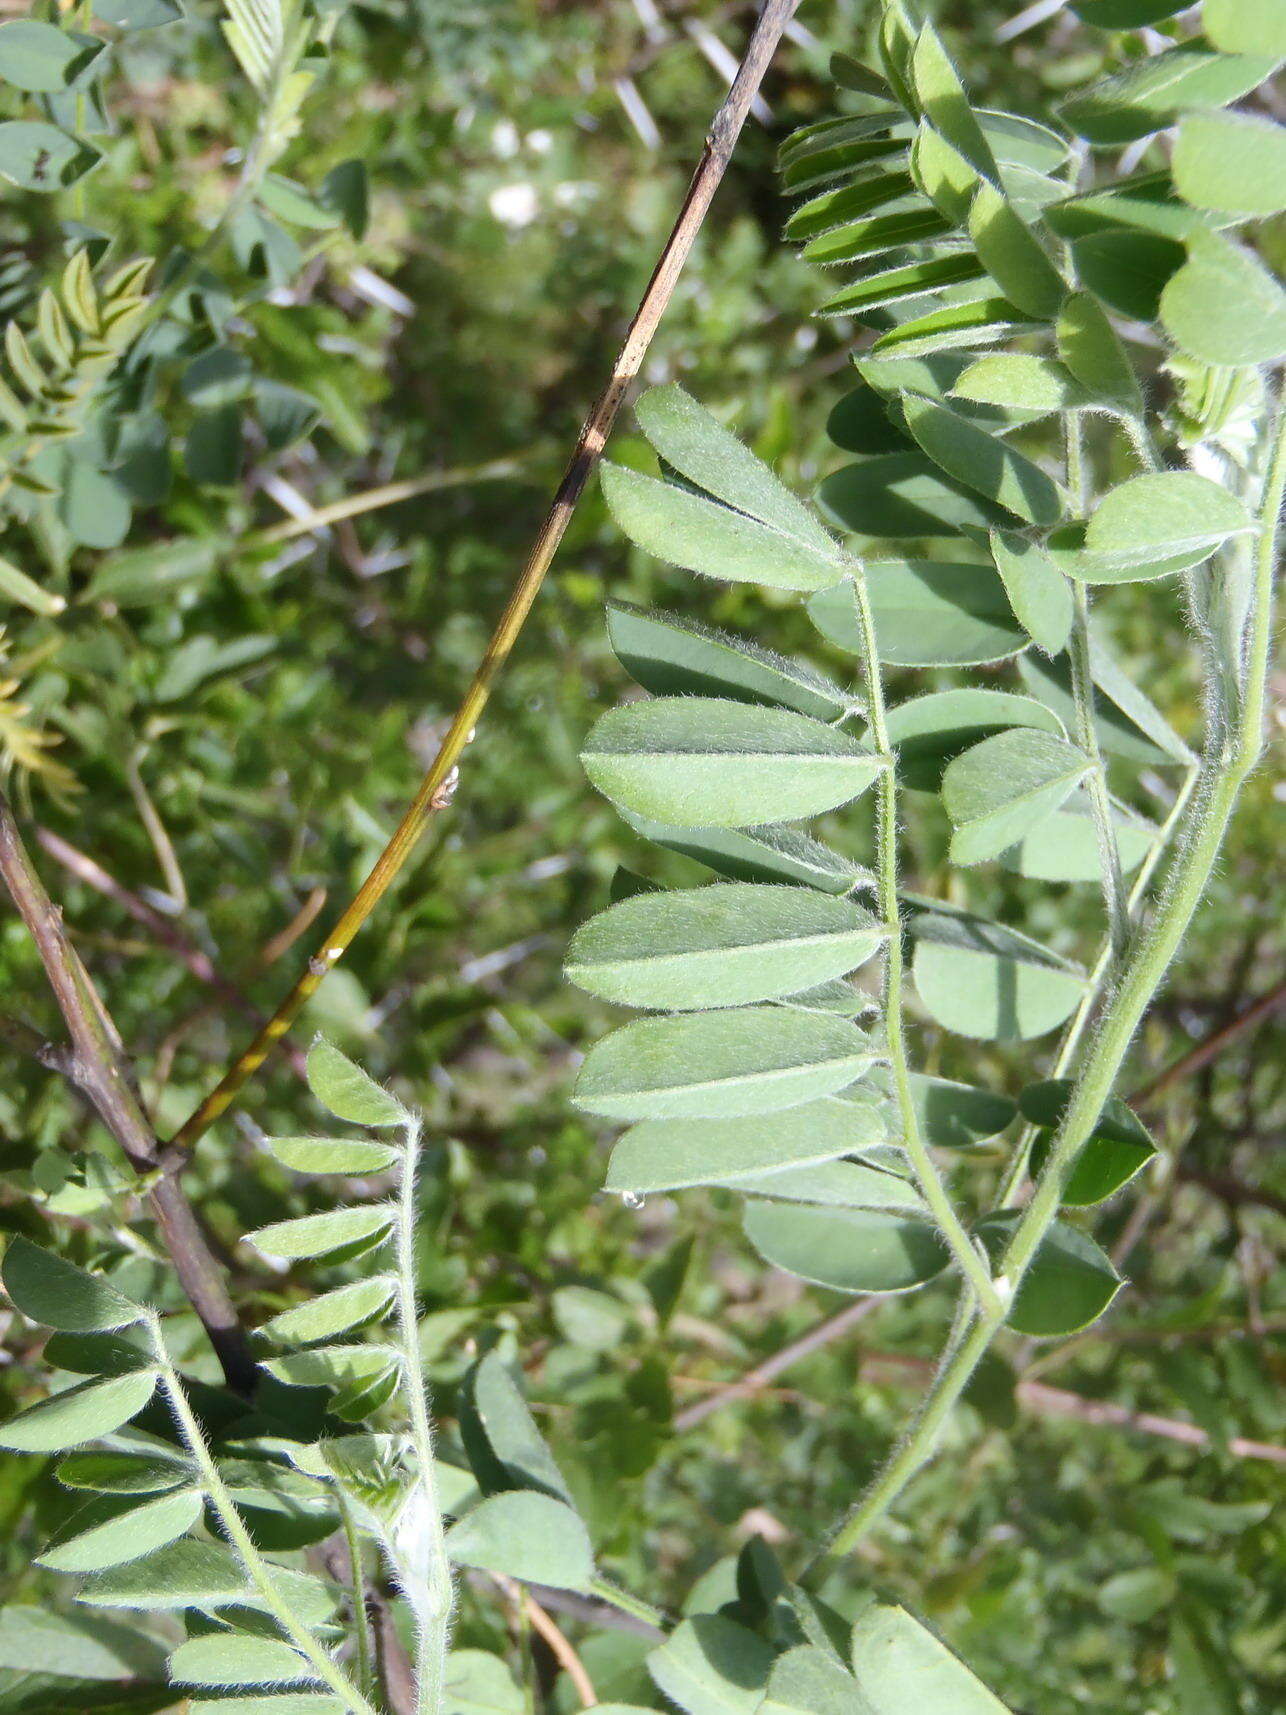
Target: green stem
x=971, y=1264
x=1229, y=758
x=357, y=1583
x=432, y=1607
x=256, y=1569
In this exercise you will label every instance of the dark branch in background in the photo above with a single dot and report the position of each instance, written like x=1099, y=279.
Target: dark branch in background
x=201, y=966
x=1212, y=1046
x=436, y=788
x=96, y=1065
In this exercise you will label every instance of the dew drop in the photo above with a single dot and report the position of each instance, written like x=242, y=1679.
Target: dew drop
x=633, y=1199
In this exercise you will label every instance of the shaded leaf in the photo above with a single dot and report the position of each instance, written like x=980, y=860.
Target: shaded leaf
x=928, y=732
x=1069, y=1284
x=926, y=614
x=1091, y=349
x=1037, y=588
x=525, y=1535
x=506, y=1450
x=902, y=494
x=1012, y=255
x=1118, y=1147
x=84, y=1646
x=709, y=1665
x=80, y=1413
x=759, y=854
x=1000, y=789
x=1152, y=92
x=849, y=1250
x=984, y=463
x=54, y=1292
x=988, y=982
x=900, y=1666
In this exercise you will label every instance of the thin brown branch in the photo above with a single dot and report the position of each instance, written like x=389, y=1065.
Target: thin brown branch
x=98, y=1068
x=199, y=964
x=437, y=786
x=1212, y=1046
x=544, y=1624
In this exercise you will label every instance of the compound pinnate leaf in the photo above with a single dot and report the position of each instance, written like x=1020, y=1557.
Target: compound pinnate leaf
x=930, y=731
x=318, y=1235
x=81, y=1413
x=709, y=762
x=1223, y=307
x=1117, y=1148
x=927, y=614
x=669, y=1155
x=984, y=463
x=331, y=1313
x=988, y=982
x=722, y=945
x=237, y=1658
x=1232, y=163
x=108, y=1532
x=332, y=1154
x=900, y=1666
x=849, y=1250
x=710, y=1665
x=1152, y=92
x=525, y=1535
x=693, y=442
x=704, y=535
x=1003, y=787
x=59, y=1295
x=1069, y=1284
x=348, y=1092
x=717, y=1065
x=1246, y=26
x=679, y=657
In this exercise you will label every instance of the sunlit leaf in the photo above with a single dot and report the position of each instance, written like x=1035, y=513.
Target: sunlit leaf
x=1224, y=307
x=348, y=1092
x=80, y=1413
x=1001, y=788
x=900, y=1666
x=1233, y=163
x=1118, y=1147
x=985, y=981
x=52, y=1291
x=109, y=1532
x=525, y=1535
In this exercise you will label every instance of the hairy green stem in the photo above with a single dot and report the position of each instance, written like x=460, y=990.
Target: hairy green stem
x=256, y=1568
x=434, y=1608
x=971, y=1263
x=1229, y=757
x=363, y=1641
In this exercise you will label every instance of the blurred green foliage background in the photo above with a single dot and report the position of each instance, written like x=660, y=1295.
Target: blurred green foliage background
x=525, y=159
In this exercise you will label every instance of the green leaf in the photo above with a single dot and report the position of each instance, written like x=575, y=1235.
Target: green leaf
x=1018, y=381
x=671, y=1155
x=108, y=1532
x=136, y=14
x=748, y=1060
x=348, y=1092
x=926, y=614
x=709, y=1665
x=124, y=1473
x=838, y=1184
x=318, y=1235
x=876, y=236
x=1065, y=845
x=331, y=1313
x=1245, y=26
x=238, y=1658
x=1223, y=307
x=677, y=657
x=1126, y=14
x=80, y=1413
x=1070, y=1282
x=144, y=575
x=1118, y=1147
x=1128, y=270
x=706, y=536
x=97, y=1354
x=984, y=463
x=213, y=447
x=1012, y=256
x=1155, y=518
x=759, y=854
x=693, y=442
x=894, y=285
x=480, y=1684
x=1089, y=346
x=40, y=157
x=849, y=1250
x=902, y=494
x=84, y=1646
x=808, y=1680
x=988, y=982
x=341, y=1367
x=1000, y=789
x=504, y=1446
x=282, y=1703
x=1207, y=1676
x=943, y=174
x=958, y=1116
x=59, y=1295
x=943, y=100
x=721, y=945
x=41, y=59
x=709, y=762
x=191, y=1574
x=332, y=1154
x=901, y=1667
x=1037, y=588
x=838, y=207
x=1232, y=163
x=528, y=1536
x=1152, y=92
x=930, y=731
x=979, y=321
